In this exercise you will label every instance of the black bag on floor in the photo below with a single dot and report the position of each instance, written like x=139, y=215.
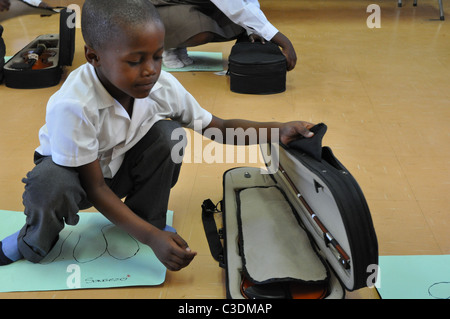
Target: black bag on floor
x=256, y=68
x=2, y=54
x=40, y=64
x=302, y=229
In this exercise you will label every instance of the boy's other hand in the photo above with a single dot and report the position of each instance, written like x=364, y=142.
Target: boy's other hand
x=172, y=250
x=291, y=131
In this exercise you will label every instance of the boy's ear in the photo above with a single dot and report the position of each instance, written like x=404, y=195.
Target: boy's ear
x=91, y=56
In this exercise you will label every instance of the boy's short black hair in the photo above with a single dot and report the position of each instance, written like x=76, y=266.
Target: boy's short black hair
x=102, y=19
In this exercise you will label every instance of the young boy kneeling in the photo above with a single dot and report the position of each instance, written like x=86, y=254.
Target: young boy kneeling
x=107, y=137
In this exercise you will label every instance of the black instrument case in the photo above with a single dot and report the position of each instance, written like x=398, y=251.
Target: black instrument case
x=40, y=63
x=300, y=229
x=257, y=68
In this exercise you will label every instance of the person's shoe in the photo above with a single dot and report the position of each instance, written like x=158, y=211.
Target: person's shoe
x=9, y=252
x=3, y=259
x=182, y=54
x=171, y=60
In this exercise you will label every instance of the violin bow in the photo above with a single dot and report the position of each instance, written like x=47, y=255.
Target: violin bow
x=342, y=256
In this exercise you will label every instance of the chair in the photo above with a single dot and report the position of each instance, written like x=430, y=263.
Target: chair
x=441, y=9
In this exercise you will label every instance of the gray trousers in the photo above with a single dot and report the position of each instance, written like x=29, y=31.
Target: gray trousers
x=53, y=194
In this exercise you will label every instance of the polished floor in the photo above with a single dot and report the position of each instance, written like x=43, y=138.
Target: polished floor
x=383, y=92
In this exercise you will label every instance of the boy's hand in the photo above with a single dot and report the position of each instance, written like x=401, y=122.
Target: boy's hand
x=293, y=130
x=169, y=247
x=172, y=250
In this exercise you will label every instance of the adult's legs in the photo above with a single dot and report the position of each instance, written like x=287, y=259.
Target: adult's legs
x=189, y=25
x=178, y=57
x=199, y=39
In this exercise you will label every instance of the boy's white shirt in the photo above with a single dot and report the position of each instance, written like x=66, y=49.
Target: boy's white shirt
x=84, y=122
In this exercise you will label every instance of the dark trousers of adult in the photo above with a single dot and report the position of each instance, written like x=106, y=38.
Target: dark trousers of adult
x=53, y=194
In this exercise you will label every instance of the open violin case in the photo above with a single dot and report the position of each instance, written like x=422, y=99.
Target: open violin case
x=299, y=230
x=40, y=63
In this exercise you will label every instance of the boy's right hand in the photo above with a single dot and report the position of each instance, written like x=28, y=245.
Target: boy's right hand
x=169, y=247
x=172, y=250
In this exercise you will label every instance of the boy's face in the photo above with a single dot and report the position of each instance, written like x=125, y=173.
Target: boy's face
x=129, y=66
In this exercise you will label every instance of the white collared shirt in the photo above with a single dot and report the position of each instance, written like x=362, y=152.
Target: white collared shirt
x=247, y=14
x=84, y=122
x=34, y=3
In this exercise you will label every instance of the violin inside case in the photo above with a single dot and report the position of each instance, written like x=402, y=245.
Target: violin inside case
x=299, y=230
x=40, y=63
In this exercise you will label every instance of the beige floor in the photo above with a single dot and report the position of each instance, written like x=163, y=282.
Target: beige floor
x=384, y=94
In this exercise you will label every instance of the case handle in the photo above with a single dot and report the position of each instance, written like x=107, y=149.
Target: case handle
x=311, y=146
x=212, y=234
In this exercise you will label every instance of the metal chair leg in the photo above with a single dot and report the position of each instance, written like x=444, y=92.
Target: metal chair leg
x=441, y=10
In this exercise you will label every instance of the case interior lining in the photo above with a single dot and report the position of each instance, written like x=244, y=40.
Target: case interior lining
x=273, y=245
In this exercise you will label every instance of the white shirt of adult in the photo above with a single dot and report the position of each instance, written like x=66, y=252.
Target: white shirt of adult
x=247, y=14
x=84, y=122
x=35, y=3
